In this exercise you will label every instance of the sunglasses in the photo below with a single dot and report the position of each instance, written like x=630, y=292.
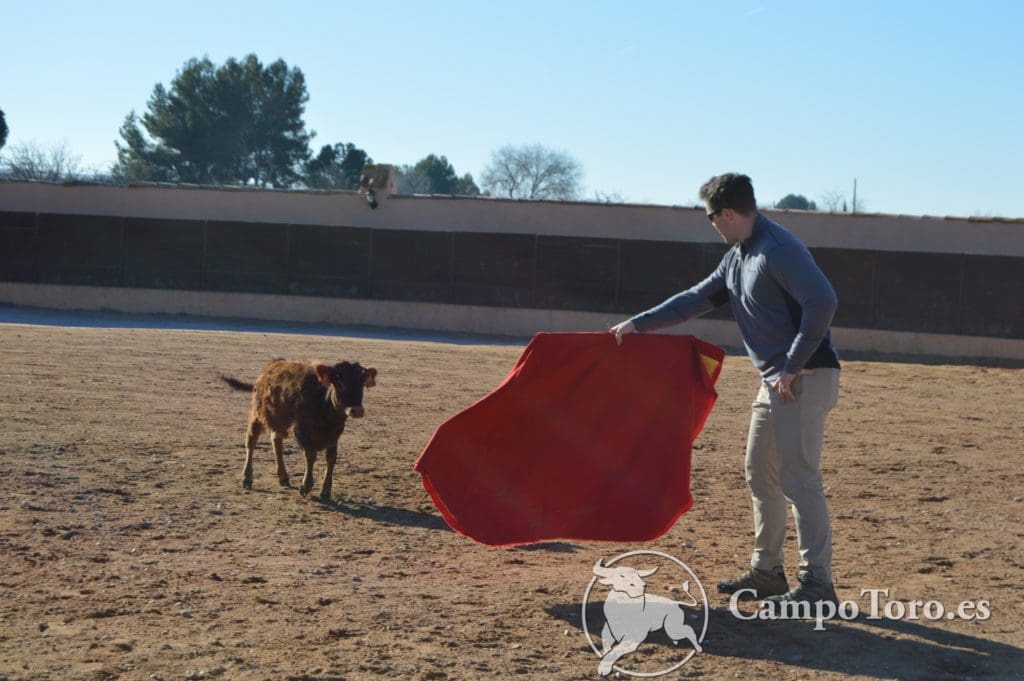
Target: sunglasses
x=713, y=214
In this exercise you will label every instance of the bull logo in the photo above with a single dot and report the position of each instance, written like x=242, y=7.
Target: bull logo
x=632, y=612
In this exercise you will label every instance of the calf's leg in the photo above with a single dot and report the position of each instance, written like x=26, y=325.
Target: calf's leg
x=307, y=479
x=278, y=441
x=325, y=487
x=252, y=435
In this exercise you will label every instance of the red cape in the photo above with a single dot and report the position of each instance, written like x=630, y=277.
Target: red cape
x=582, y=440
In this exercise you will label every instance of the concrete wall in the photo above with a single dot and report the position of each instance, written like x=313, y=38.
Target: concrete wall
x=906, y=284
x=609, y=221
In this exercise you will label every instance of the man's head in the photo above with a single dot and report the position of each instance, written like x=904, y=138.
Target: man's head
x=731, y=205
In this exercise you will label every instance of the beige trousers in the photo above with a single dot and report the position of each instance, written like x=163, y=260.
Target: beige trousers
x=784, y=463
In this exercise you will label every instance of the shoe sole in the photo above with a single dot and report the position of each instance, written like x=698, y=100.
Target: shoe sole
x=747, y=596
x=773, y=599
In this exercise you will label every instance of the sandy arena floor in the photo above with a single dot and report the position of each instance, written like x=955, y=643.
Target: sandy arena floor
x=128, y=549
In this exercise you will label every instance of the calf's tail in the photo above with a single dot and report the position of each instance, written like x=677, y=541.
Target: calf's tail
x=236, y=384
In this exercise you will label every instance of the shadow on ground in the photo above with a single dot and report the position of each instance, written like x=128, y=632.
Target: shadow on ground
x=884, y=649
x=552, y=546
x=16, y=314
x=392, y=515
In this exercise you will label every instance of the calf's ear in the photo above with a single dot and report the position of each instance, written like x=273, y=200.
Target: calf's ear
x=324, y=374
x=371, y=377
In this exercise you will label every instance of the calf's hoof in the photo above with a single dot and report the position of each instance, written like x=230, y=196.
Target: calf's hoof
x=247, y=483
x=325, y=497
x=284, y=482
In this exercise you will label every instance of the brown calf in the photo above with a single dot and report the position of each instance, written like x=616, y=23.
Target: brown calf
x=310, y=398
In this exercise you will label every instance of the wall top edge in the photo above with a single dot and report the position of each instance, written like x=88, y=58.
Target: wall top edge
x=233, y=189
x=880, y=232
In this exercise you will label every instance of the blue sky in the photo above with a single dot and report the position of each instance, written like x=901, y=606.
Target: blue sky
x=921, y=102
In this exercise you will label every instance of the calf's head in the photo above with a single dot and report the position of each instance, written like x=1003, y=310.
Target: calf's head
x=345, y=383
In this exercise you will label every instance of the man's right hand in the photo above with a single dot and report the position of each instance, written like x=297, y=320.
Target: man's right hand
x=621, y=329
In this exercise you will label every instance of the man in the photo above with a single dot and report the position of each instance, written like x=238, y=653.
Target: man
x=784, y=306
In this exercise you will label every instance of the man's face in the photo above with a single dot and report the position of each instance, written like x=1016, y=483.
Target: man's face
x=725, y=223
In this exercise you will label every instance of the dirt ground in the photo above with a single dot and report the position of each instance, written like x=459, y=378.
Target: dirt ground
x=129, y=550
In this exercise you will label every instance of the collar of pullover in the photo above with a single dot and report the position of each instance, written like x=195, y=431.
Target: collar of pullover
x=755, y=234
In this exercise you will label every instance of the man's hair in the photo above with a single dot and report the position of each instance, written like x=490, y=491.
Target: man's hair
x=729, y=191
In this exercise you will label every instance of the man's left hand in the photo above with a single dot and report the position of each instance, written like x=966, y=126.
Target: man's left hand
x=784, y=385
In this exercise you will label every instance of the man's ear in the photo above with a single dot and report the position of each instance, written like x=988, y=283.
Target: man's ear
x=371, y=377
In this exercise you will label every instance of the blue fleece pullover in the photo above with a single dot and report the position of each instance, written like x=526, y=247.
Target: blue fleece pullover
x=781, y=300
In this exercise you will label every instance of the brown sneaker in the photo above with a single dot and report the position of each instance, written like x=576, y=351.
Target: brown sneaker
x=762, y=582
x=810, y=590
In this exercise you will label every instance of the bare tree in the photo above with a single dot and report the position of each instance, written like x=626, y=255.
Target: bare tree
x=608, y=197
x=833, y=202
x=532, y=172
x=30, y=161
